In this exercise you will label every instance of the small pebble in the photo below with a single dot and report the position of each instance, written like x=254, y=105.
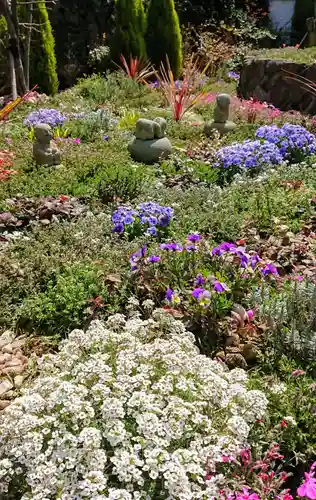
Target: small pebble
x=4, y=404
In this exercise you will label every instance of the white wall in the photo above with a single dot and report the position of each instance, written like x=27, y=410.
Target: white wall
x=281, y=12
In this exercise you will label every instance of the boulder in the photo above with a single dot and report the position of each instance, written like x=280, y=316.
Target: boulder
x=269, y=80
x=150, y=151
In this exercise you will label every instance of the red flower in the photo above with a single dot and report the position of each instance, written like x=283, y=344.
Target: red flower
x=284, y=424
x=63, y=197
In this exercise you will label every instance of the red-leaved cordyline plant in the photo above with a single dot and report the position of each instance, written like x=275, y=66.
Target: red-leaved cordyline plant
x=249, y=479
x=185, y=94
x=136, y=69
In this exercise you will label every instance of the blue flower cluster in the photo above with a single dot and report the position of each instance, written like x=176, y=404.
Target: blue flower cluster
x=289, y=138
x=249, y=154
x=52, y=117
x=151, y=215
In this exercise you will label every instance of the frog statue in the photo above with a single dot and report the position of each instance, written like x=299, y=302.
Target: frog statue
x=221, y=117
x=150, y=144
x=45, y=152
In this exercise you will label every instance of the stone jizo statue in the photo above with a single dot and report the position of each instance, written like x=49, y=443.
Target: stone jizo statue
x=221, y=116
x=150, y=144
x=45, y=152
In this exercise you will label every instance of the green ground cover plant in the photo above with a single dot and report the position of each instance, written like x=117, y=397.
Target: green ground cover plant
x=204, y=263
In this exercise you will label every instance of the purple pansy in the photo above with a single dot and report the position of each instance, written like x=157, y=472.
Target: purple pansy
x=220, y=287
x=153, y=258
x=269, y=269
x=194, y=238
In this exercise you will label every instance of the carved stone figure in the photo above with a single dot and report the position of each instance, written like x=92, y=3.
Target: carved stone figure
x=45, y=152
x=221, y=117
x=150, y=129
x=150, y=144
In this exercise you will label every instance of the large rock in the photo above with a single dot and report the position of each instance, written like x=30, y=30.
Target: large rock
x=268, y=80
x=150, y=151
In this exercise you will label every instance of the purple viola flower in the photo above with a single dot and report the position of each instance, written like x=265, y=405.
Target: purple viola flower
x=223, y=248
x=269, y=269
x=199, y=280
x=128, y=219
x=254, y=260
x=152, y=231
x=169, y=294
x=233, y=75
x=194, y=238
x=153, y=258
x=119, y=228
x=200, y=294
x=243, y=260
x=249, y=154
x=106, y=137
x=174, y=247
x=288, y=138
x=220, y=287
x=191, y=248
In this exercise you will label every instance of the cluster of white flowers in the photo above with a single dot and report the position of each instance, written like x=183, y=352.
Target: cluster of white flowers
x=126, y=410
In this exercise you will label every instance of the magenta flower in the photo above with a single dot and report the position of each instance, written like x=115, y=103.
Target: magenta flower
x=298, y=373
x=308, y=488
x=251, y=314
x=220, y=287
x=77, y=140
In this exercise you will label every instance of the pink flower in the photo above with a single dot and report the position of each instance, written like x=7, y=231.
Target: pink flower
x=251, y=314
x=77, y=140
x=284, y=423
x=226, y=459
x=298, y=373
x=308, y=488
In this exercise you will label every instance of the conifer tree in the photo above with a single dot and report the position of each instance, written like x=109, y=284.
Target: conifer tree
x=163, y=35
x=128, y=39
x=42, y=57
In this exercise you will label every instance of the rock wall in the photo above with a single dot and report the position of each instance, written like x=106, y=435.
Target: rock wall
x=267, y=80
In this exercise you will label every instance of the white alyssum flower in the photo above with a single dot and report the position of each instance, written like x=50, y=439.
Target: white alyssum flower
x=125, y=411
x=290, y=420
x=279, y=388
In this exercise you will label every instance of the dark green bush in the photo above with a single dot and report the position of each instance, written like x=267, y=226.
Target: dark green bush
x=128, y=39
x=42, y=58
x=163, y=36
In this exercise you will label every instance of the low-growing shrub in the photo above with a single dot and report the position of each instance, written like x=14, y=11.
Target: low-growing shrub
x=250, y=156
x=199, y=282
x=125, y=409
x=294, y=141
x=90, y=126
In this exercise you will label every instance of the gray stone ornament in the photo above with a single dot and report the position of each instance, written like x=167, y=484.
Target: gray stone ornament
x=221, y=120
x=150, y=144
x=45, y=152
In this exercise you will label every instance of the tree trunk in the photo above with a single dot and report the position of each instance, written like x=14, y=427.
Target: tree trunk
x=14, y=46
x=12, y=77
x=28, y=47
